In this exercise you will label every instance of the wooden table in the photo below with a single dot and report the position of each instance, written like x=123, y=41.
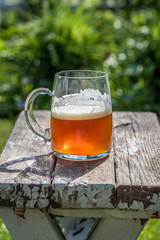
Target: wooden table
x=105, y=199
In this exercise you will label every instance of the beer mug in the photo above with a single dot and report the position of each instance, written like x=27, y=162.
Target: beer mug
x=81, y=115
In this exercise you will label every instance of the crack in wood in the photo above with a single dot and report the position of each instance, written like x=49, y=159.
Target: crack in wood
x=123, y=125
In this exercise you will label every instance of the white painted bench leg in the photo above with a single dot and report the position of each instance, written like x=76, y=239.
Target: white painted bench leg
x=117, y=229
x=77, y=228
x=36, y=225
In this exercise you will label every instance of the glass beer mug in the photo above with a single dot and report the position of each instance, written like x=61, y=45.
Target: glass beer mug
x=81, y=115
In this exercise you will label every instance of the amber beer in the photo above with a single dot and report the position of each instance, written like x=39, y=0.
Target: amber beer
x=81, y=134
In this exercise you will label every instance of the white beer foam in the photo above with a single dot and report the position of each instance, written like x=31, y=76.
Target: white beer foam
x=79, y=112
x=88, y=104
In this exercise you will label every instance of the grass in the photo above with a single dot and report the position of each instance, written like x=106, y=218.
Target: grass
x=6, y=126
x=4, y=234
x=150, y=232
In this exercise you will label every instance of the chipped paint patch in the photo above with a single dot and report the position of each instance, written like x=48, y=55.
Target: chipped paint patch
x=83, y=196
x=31, y=162
x=133, y=146
x=10, y=145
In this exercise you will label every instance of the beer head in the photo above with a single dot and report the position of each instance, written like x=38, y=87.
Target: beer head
x=88, y=104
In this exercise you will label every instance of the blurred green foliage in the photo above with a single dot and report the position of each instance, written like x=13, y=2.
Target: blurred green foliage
x=49, y=36
x=135, y=68
x=151, y=231
x=4, y=234
x=6, y=126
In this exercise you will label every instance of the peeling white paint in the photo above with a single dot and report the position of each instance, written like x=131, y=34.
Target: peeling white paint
x=10, y=145
x=31, y=162
x=133, y=146
x=135, y=205
x=83, y=196
x=154, y=198
x=156, y=202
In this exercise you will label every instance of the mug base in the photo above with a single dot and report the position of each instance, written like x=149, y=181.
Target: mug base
x=82, y=157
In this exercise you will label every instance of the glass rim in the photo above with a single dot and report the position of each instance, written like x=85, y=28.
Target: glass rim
x=101, y=74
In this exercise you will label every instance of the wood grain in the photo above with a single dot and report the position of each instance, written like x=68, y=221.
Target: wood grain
x=128, y=179
x=137, y=155
x=25, y=167
x=83, y=184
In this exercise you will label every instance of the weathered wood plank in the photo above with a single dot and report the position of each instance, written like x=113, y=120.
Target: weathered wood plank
x=25, y=167
x=83, y=184
x=137, y=155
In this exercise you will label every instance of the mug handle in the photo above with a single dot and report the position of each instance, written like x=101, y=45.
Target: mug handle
x=29, y=115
